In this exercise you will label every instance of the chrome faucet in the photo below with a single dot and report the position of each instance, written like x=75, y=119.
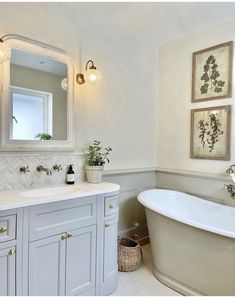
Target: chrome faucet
x=57, y=167
x=24, y=169
x=42, y=168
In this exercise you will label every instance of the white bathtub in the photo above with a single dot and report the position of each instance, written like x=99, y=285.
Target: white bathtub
x=192, y=241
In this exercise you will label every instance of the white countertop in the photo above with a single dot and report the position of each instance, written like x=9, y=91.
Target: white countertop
x=13, y=199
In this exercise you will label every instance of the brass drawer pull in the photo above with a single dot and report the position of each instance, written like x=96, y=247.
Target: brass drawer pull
x=12, y=251
x=3, y=229
x=106, y=225
x=64, y=236
x=111, y=206
x=69, y=235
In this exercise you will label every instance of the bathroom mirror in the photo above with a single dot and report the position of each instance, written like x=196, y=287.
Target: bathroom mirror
x=37, y=98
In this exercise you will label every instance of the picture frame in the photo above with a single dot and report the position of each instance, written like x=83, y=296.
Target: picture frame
x=212, y=72
x=210, y=133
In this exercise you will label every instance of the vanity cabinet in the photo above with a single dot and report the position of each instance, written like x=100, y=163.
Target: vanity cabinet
x=110, y=268
x=7, y=271
x=47, y=266
x=63, y=247
x=63, y=264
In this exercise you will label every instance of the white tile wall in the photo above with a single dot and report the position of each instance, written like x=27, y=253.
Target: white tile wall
x=12, y=179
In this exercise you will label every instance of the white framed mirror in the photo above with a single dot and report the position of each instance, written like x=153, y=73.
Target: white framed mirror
x=37, y=98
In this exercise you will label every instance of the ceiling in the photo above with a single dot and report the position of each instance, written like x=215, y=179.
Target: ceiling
x=158, y=21
x=37, y=62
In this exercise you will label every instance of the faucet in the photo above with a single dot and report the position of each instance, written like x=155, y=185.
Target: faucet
x=24, y=169
x=230, y=169
x=57, y=167
x=42, y=168
x=230, y=189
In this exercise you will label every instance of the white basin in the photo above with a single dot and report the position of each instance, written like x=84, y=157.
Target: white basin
x=54, y=191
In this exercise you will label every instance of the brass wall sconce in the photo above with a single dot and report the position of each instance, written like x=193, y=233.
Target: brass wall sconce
x=91, y=75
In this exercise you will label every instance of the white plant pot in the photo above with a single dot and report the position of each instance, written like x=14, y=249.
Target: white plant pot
x=94, y=173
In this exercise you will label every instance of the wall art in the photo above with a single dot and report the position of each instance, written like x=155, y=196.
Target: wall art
x=212, y=73
x=210, y=133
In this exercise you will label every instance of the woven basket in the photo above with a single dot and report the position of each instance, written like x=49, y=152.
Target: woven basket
x=129, y=255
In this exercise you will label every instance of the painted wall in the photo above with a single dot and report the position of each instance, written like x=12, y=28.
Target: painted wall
x=116, y=110
x=46, y=82
x=120, y=111
x=174, y=102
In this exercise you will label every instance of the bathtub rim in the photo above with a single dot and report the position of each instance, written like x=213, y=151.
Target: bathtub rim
x=186, y=221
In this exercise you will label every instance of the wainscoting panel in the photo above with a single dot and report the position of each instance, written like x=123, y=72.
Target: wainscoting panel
x=208, y=188
x=131, y=211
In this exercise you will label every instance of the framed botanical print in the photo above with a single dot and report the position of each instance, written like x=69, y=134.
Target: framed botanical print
x=210, y=133
x=212, y=73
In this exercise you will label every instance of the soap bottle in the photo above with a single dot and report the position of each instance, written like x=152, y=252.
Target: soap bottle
x=70, y=178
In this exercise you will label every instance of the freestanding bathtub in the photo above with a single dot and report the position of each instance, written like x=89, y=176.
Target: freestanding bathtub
x=192, y=241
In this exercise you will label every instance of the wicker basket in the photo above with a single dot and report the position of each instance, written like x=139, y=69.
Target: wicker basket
x=129, y=255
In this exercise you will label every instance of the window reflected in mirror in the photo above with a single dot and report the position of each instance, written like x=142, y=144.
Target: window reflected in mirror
x=38, y=101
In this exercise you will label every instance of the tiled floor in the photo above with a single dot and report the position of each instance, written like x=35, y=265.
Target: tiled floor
x=142, y=281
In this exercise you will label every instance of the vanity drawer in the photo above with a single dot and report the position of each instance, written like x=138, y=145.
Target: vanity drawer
x=111, y=205
x=57, y=217
x=7, y=228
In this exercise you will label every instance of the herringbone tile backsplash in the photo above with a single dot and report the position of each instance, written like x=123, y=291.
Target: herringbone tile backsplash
x=12, y=179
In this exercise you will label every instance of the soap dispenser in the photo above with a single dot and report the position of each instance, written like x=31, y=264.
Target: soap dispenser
x=70, y=178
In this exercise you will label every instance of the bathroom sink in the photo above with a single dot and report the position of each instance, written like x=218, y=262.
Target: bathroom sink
x=47, y=192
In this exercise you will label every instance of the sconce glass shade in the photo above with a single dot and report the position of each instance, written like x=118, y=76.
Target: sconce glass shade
x=92, y=76
x=5, y=52
x=64, y=84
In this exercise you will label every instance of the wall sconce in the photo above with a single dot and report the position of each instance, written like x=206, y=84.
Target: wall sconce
x=64, y=84
x=91, y=76
x=5, y=52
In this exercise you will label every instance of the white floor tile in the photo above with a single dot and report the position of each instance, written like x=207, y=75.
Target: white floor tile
x=142, y=282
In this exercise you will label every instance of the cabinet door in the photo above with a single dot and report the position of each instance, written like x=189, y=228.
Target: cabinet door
x=80, y=260
x=110, y=265
x=47, y=266
x=7, y=272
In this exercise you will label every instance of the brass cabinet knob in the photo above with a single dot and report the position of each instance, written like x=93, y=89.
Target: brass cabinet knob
x=12, y=251
x=111, y=206
x=69, y=235
x=3, y=229
x=106, y=225
x=64, y=236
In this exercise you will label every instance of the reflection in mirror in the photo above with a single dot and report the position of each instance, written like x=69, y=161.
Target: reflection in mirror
x=38, y=101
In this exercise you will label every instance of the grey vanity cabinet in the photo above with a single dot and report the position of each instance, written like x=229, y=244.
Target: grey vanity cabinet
x=80, y=260
x=47, y=266
x=7, y=271
x=110, y=232
x=63, y=264
x=110, y=256
x=66, y=247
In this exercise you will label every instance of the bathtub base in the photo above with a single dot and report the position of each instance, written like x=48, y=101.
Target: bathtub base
x=190, y=260
x=176, y=286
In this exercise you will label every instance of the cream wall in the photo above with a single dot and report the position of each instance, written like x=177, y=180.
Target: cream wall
x=120, y=111
x=174, y=102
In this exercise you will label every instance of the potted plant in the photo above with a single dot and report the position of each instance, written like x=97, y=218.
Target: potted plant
x=44, y=136
x=95, y=160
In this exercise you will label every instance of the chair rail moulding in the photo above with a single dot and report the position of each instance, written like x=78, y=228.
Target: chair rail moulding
x=28, y=46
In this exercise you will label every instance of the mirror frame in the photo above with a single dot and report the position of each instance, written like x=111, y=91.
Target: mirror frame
x=35, y=47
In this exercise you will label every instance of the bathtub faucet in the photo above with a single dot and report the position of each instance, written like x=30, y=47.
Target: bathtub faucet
x=230, y=189
x=230, y=169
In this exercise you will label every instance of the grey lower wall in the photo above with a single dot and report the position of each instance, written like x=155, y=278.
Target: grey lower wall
x=131, y=210
x=204, y=187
